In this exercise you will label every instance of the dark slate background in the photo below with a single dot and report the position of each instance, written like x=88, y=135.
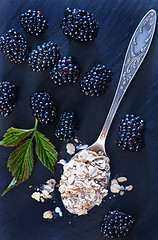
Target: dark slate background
x=21, y=216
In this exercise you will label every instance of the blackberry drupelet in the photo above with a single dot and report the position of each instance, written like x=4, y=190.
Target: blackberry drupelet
x=96, y=81
x=14, y=46
x=66, y=71
x=66, y=127
x=33, y=22
x=43, y=107
x=116, y=224
x=79, y=25
x=131, y=133
x=44, y=56
x=7, y=97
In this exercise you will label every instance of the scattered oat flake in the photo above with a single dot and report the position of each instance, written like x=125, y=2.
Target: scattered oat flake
x=48, y=188
x=70, y=148
x=122, y=188
x=76, y=140
x=51, y=181
x=122, y=179
x=122, y=193
x=114, y=181
x=36, y=196
x=58, y=210
x=129, y=188
x=115, y=188
x=48, y=215
x=42, y=199
x=62, y=162
x=46, y=194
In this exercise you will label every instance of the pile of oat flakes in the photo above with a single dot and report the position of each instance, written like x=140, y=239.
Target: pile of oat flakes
x=83, y=183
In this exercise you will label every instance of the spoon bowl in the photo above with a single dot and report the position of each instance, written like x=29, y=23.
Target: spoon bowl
x=97, y=146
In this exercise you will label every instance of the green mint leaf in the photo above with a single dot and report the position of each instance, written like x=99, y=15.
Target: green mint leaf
x=20, y=161
x=11, y=185
x=14, y=136
x=45, y=151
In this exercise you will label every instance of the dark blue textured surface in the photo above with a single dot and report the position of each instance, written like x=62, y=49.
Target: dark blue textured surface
x=21, y=216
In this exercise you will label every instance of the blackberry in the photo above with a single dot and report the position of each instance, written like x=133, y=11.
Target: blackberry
x=33, y=22
x=79, y=25
x=44, y=56
x=7, y=97
x=116, y=224
x=66, y=71
x=131, y=133
x=14, y=46
x=66, y=127
x=96, y=81
x=43, y=107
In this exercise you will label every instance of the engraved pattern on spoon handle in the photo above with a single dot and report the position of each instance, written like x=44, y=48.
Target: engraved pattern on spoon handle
x=136, y=52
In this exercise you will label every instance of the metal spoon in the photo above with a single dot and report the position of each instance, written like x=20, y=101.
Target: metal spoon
x=136, y=52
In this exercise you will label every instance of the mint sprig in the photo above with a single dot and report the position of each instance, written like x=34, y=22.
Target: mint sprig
x=21, y=160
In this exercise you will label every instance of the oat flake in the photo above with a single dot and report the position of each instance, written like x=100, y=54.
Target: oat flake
x=122, y=193
x=36, y=196
x=58, y=210
x=48, y=215
x=70, y=148
x=62, y=162
x=129, y=188
x=115, y=188
x=122, y=179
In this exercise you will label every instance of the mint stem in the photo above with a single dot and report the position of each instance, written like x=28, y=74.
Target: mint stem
x=35, y=128
x=36, y=124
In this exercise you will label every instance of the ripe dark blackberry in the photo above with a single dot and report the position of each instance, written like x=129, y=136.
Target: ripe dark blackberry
x=7, y=97
x=66, y=127
x=33, y=22
x=116, y=224
x=96, y=81
x=14, y=46
x=66, y=71
x=131, y=133
x=44, y=56
x=43, y=107
x=79, y=25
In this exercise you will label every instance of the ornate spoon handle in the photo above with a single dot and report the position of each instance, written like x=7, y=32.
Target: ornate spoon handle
x=136, y=52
